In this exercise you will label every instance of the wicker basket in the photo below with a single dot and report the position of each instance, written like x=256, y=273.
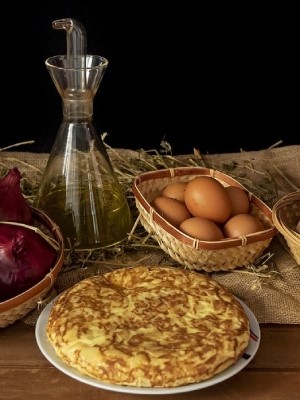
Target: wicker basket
x=17, y=307
x=222, y=255
x=286, y=214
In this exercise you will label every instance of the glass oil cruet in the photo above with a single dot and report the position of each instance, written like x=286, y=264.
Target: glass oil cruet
x=79, y=189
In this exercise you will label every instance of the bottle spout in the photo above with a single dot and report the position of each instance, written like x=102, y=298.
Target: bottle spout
x=76, y=74
x=76, y=52
x=76, y=41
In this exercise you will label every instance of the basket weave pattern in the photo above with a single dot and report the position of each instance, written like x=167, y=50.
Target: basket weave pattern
x=286, y=214
x=17, y=307
x=222, y=255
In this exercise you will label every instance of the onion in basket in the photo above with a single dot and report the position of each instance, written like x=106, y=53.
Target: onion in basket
x=26, y=253
x=25, y=258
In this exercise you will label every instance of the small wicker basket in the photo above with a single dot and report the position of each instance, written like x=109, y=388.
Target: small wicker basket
x=17, y=307
x=286, y=214
x=222, y=255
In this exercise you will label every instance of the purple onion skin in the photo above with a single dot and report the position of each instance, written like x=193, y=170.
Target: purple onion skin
x=13, y=205
x=25, y=258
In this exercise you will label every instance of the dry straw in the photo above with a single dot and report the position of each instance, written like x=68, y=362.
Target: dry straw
x=222, y=255
x=17, y=307
x=286, y=215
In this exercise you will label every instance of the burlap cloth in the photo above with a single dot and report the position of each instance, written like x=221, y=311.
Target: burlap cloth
x=273, y=292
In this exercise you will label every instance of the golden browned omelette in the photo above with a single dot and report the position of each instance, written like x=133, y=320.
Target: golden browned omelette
x=148, y=327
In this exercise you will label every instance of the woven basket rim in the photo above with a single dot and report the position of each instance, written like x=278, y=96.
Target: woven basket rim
x=185, y=239
x=287, y=199
x=284, y=201
x=50, y=277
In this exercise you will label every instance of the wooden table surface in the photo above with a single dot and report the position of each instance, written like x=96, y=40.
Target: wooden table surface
x=273, y=374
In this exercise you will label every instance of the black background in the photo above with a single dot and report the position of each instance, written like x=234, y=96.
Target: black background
x=218, y=78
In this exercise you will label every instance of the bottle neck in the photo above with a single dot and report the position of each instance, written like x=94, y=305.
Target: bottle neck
x=76, y=110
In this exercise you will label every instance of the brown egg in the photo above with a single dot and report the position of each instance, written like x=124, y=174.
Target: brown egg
x=175, y=190
x=172, y=210
x=201, y=228
x=240, y=203
x=242, y=225
x=206, y=197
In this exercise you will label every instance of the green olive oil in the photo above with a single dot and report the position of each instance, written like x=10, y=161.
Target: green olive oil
x=89, y=219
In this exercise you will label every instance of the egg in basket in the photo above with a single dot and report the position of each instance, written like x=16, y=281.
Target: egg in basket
x=223, y=243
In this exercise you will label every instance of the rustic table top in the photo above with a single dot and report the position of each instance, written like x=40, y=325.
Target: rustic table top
x=273, y=373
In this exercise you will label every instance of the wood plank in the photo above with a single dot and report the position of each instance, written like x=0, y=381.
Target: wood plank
x=19, y=347
x=49, y=383
x=279, y=348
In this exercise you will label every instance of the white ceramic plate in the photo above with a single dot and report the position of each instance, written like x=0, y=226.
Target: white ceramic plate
x=48, y=351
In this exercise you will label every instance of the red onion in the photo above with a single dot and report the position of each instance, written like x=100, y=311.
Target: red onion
x=25, y=258
x=13, y=205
